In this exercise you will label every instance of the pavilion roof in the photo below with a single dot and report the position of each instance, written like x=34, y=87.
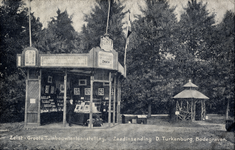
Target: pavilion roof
x=190, y=84
x=191, y=94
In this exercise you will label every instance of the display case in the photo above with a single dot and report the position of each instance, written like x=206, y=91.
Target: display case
x=48, y=104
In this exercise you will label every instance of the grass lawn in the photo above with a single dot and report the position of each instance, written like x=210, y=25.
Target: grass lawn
x=124, y=136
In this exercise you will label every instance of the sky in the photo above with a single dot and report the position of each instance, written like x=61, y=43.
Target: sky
x=45, y=9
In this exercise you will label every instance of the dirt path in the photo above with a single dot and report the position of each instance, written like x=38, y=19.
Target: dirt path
x=123, y=136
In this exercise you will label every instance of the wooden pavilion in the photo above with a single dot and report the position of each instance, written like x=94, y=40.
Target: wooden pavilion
x=190, y=103
x=92, y=78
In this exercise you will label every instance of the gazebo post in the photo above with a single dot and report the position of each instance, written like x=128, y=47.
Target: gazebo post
x=181, y=104
x=194, y=109
x=187, y=105
x=176, y=105
x=175, y=116
x=203, y=109
x=191, y=110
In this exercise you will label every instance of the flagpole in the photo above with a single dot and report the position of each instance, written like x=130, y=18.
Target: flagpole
x=125, y=55
x=107, y=26
x=30, y=37
x=127, y=41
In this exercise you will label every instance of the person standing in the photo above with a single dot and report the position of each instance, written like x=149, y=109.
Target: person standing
x=104, y=108
x=70, y=111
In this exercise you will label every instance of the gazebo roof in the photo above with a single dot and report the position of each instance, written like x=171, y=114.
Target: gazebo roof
x=191, y=94
x=190, y=84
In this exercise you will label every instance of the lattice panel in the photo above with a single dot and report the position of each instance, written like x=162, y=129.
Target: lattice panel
x=33, y=96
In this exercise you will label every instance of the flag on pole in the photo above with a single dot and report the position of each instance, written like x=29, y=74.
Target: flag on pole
x=127, y=39
x=128, y=25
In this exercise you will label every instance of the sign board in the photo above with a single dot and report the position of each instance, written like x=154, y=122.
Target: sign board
x=18, y=60
x=32, y=101
x=64, y=61
x=30, y=58
x=105, y=60
x=106, y=43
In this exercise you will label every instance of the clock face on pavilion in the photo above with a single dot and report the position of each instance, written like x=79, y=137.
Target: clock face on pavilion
x=106, y=43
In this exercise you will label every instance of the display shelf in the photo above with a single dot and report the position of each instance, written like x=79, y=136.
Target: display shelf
x=48, y=105
x=60, y=104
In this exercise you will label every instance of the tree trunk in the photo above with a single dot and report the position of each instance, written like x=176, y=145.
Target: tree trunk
x=227, y=110
x=149, y=109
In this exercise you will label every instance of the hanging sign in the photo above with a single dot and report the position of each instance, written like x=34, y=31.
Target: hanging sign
x=63, y=61
x=30, y=58
x=105, y=60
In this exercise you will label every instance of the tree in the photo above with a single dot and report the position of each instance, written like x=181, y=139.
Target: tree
x=193, y=40
x=15, y=33
x=196, y=26
x=97, y=22
x=152, y=39
x=222, y=56
x=14, y=38
x=206, y=51
x=60, y=36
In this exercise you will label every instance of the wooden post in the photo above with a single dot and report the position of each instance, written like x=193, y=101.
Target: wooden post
x=39, y=97
x=26, y=98
x=202, y=110
x=118, y=100
x=114, y=100
x=110, y=88
x=192, y=110
x=91, y=101
x=176, y=105
x=65, y=97
x=204, y=106
x=187, y=105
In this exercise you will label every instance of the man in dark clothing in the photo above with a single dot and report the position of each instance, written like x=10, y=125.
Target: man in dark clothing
x=70, y=111
x=104, y=110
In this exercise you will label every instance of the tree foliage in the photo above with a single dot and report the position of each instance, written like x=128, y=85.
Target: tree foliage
x=196, y=26
x=222, y=57
x=151, y=40
x=15, y=33
x=60, y=36
x=193, y=48
x=14, y=38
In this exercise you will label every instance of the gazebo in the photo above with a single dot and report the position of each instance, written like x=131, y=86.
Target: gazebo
x=190, y=102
